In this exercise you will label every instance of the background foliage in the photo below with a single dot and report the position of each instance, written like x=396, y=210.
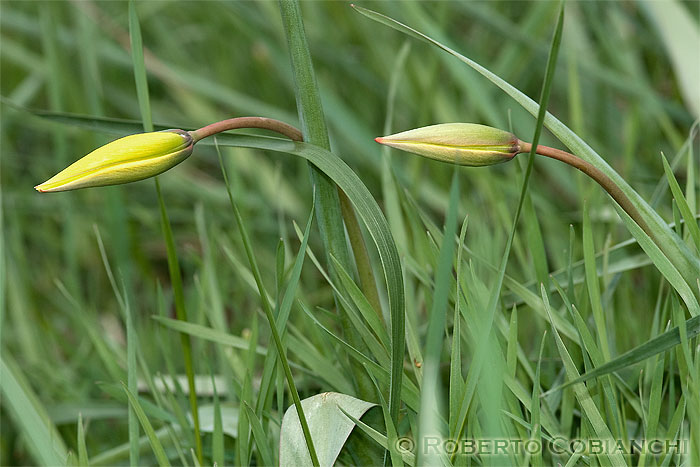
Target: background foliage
x=618, y=84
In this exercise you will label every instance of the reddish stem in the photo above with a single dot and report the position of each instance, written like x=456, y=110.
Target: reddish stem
x=603, y=180
x=248, y=122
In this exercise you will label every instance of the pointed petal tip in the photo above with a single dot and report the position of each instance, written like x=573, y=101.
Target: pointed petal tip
x=42, y=187
x=379, y=139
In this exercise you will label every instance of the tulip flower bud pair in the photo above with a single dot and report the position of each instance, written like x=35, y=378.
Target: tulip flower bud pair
x=145, y=155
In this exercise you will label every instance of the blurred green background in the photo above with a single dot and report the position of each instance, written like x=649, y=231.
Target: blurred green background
x=618, y=84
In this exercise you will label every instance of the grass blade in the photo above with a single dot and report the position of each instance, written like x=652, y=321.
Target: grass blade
x=82, y=448
x=217, y=438
x=139, y=67
x=206, y=333
x=481, y=347
x=147, y=428
x=679, y=30
x=132, y=380
x=369, y=212
x=43, y=439
x=173, y=262
x=690, y=223
x=181, y=312
x=582, y=395
x=593, y=285
x=374, y=322
x=456, y=379
x=282, y=313
x=270, y=317
x=655, y=346
x=392, y=435
x=536, y=428
x=429, y=415
x=407, y=456
x=260, y=437
x=663, y=264
x=333, y=207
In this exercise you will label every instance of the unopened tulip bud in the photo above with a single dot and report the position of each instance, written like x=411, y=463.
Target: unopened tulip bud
x=125, y=160
x=457, y=143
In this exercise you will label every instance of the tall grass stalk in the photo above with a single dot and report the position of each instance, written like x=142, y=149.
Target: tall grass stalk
x=173, y=262
x=333, y=207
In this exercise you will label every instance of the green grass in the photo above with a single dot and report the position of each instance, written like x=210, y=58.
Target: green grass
x=548, y=316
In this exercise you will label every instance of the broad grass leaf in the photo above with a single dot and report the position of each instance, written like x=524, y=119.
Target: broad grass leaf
x=329, y=428
x=229, y=419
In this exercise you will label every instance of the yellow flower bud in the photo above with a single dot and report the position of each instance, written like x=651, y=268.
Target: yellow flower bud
x=457, y=143
x=125, y=160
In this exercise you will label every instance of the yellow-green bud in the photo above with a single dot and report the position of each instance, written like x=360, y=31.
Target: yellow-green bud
x=457, y=143
x=125, y=160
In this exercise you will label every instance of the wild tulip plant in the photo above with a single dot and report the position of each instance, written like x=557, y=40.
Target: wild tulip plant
x=136, y=157
x=444, y=357
x=478, y=145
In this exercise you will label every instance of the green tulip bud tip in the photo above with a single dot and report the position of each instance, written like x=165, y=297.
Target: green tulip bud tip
x=457, y=143
x=127, y=159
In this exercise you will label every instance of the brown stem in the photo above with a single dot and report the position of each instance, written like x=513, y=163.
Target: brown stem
x=248, y=122
x=368, y=283
x=366, y=274
x=603, y=180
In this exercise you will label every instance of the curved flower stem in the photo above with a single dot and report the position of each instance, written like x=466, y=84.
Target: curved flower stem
x=248, y=122
x=368, y=283
x=603, y=180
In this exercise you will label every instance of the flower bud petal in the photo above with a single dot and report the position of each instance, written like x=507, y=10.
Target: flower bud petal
x=457, y=143
x=125, y=160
